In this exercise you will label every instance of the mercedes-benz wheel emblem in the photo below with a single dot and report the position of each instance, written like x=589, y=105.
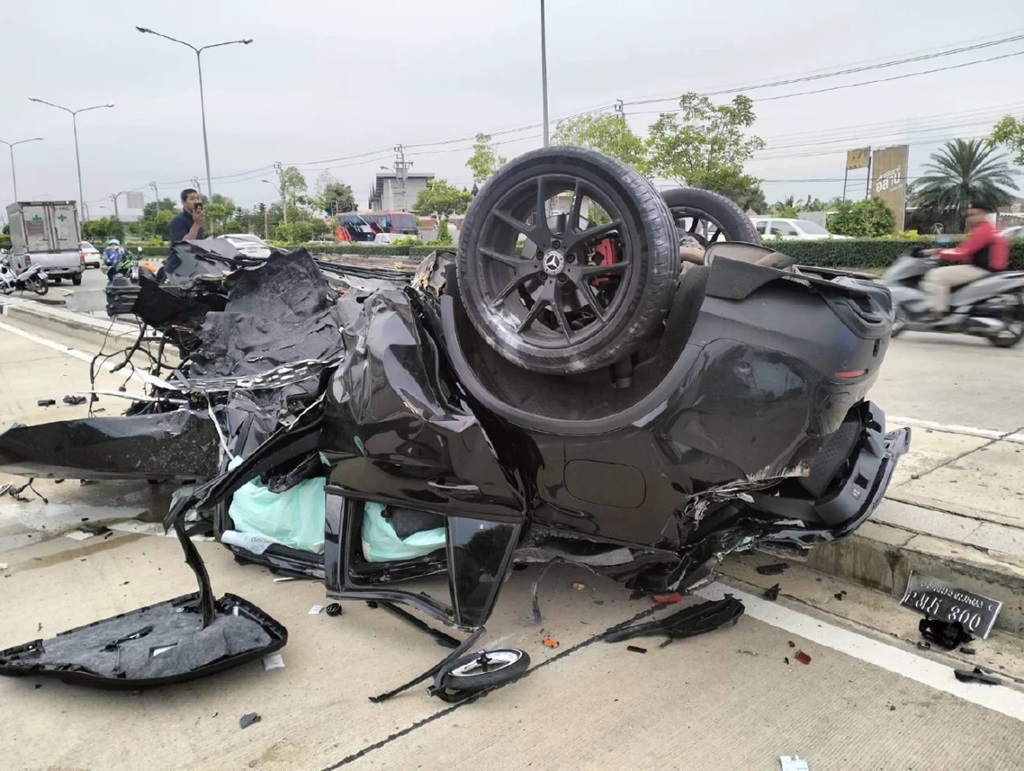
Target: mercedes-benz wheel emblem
x=554, y=263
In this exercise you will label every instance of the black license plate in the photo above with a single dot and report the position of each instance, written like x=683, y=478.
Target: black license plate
x=940, y=599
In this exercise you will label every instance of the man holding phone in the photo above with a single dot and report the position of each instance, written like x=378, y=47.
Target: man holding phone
x=188, y=226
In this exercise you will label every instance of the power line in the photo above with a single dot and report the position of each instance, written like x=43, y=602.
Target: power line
x=846, y=71
x=890, y=79
x=249, y=175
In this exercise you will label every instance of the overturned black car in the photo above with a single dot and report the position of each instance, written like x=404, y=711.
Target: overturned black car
x=560, y=389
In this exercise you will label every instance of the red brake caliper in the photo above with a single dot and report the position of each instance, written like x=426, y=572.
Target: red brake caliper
x=606, y=249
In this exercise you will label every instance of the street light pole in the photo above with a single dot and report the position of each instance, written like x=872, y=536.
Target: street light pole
x=544, y=70
x=202, y=97
x=74, y=122
x=10, y=145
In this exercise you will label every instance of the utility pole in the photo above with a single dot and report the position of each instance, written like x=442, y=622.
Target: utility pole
x=620, y=108
x=266, y=220
x=156, y=194
x=197, y=186
x=544, y=70
x=279, y=168
x=113, y=197
x=402, y=170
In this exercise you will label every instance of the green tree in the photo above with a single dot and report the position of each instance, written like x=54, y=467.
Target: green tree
x=743, y=189
x=293, y=187
x=100, y=230
x=705, y=145
x=1009, y=132
x=441, y=200
x=484, y=162
x=785, y=209
x=336, y=197
x=156, y=219
x=300, y=232
x=219, y=210
x=965, y=171
x=863, y=219
x=608, y=134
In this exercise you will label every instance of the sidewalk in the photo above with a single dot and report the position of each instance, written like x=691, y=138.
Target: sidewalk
x=955, y=510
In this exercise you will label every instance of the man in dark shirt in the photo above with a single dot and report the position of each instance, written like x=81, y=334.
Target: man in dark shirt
x=188, y=226
x=984, y=251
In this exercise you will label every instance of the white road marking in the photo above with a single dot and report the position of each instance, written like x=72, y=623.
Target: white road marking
x=65, y=349
x=1001, y=699
x=981, y=433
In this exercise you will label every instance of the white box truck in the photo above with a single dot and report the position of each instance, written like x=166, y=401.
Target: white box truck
x=46, y=233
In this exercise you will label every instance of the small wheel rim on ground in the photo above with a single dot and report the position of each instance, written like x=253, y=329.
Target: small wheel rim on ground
x=487, y=662
x=552, y=296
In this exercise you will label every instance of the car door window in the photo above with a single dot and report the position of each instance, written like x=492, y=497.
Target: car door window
x=761, y=227
x=783, y=229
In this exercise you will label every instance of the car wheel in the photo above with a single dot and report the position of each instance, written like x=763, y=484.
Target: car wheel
x=574, y=292
x=57, y=280
x=77, y=280
x=708, y=218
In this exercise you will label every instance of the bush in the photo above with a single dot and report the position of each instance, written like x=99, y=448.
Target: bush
x=861, y=253
x=863, y=219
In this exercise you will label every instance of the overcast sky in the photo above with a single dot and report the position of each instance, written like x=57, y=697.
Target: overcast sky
x=324, y=81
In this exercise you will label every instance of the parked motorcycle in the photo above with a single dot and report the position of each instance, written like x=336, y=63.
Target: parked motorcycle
x=991, y=307
x=32, y=279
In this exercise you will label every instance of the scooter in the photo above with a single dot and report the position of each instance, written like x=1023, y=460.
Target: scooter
x=991, y=307
x=32, y=279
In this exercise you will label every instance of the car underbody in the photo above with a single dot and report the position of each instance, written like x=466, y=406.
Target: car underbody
x=369, y=426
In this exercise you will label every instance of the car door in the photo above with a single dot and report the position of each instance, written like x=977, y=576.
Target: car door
x=781, y=229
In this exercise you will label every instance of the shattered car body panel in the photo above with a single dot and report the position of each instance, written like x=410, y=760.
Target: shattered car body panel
x=731, y=432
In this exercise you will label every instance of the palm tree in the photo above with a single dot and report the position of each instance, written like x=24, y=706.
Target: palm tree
x=962, y=172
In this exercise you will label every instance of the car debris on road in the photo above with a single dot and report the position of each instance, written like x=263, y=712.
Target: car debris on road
x=582, y=399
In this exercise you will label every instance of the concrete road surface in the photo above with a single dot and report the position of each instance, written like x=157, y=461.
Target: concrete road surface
x=868, y=699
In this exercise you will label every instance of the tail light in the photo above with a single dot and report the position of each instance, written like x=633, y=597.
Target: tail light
x=81, y=257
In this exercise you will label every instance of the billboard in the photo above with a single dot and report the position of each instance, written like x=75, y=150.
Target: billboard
x=889, y=179
x=857, y=159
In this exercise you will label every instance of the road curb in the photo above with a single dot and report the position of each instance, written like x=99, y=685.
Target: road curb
x=882, y=557
x=92, y=332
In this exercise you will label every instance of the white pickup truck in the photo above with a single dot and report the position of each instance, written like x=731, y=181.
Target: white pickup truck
x=46, y=233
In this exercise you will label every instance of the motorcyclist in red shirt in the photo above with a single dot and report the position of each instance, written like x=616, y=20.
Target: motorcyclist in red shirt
x=984, y=251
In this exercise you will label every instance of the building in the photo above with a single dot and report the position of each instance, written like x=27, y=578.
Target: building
x=392, y=193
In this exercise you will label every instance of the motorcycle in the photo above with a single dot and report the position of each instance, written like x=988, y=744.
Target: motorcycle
x=991, y=307
x=126, y=271
x=32, y=279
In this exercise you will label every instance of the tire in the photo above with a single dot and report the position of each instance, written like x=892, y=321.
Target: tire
x=77, y=280
x=731, y=220
x=569, y=328
x=1018, y=318
x=899, y=324
x=466, y=675
x=57, y=280
x=39, y=286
